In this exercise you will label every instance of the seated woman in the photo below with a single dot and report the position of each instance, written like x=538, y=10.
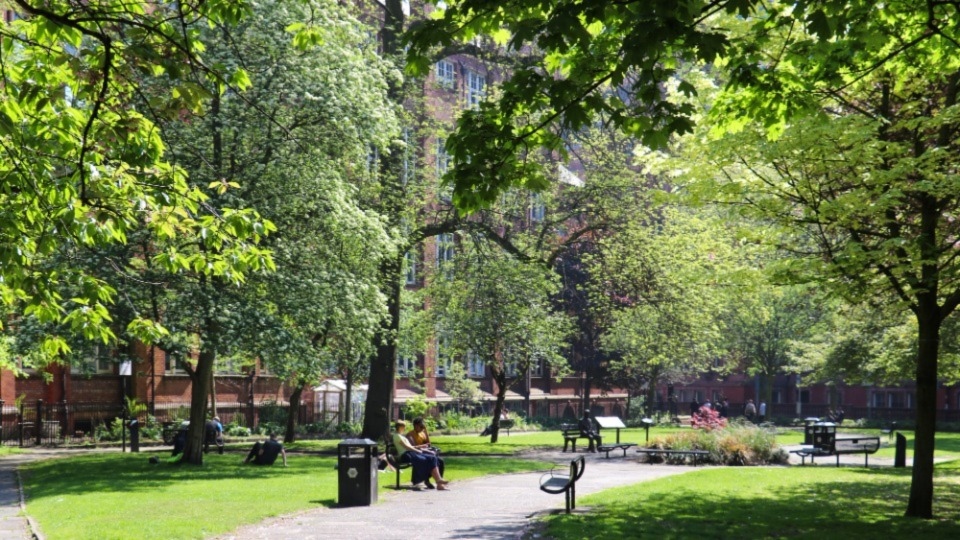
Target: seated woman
x=422, y=461
x=421, y=439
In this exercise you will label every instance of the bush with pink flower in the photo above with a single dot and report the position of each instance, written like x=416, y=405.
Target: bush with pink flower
x=707, y=418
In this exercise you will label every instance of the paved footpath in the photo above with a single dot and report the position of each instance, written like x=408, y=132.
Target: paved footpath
x=13, y=524
x=489, y=507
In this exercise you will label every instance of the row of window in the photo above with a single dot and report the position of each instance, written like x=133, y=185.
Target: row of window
x=476, y=367
x=476, y=84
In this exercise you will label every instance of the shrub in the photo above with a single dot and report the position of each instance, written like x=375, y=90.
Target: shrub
x=736, y=444
x=707, y=418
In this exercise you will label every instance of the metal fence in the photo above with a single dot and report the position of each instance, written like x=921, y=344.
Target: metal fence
x=50, y=424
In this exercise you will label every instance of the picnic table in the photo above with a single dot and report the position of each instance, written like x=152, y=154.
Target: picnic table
x=613, y=422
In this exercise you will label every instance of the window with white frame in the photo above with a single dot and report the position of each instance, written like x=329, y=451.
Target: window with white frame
x=476, y=367
x=410, y=267
x=536, y=369
x=445, y=73
x=446, y=249
x=537, y=209
x=408, y=174
x=444, y=358
x=173, y=363
x=97, y=361
x=443, y=158
x=476, y=87
x=405, y=365
x=510, y=368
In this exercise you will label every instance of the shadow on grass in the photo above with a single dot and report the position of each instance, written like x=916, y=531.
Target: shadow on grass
x=767, y=503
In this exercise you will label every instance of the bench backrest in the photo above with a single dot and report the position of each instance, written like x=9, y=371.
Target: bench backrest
x=868, y=444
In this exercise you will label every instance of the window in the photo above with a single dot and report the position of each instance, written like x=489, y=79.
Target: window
x=510, y=368
x=97, y=361
x=804, y=396
x=537, y=209
x=445, y=249
x=173, y=363
x=476, y=87
x=373, y=159
x=776, y=396
x=410, y=267
x=405, y=366
x=265, y=369
x=444, y=74
x=444, y=360
x=476, y=367
x=409, y=157
x=536, y=370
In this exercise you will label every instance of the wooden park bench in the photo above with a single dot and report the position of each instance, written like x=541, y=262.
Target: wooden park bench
x=571, y=432
x=554, y=483
x=681, y=455
x=866, y=445
x=393, y=458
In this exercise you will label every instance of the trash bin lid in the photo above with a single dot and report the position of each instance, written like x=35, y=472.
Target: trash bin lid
x=357, y=442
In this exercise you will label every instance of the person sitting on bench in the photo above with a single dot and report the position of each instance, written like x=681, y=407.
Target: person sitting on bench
x=588, y=430
x=423, y=462
x=266, y=453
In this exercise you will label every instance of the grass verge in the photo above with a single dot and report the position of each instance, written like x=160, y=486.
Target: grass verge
x=765, y=502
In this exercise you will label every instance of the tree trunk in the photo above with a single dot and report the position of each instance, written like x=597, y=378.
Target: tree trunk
x=921, y=486
x=213, y=395
x=500, y=376
x=193, y=452
x=348, y=405
x=291, y=433
x=379, y=407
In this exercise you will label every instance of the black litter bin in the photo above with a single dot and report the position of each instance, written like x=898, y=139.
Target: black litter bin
x=134, y=435
x=824, y=435
x=808, y=429
x=357, y=472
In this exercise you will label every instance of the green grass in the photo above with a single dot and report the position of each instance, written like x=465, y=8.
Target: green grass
x=122, y=496
x=765, y=502
x=516, y=442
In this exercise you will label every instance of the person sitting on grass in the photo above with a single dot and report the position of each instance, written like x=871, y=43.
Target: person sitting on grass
x=422, y=461
x=266, y=453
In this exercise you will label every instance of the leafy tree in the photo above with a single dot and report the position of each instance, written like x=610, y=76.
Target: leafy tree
x=663, y=290
x=862, y=188
x=494, y=307
x=294, y=146
x=82, y=167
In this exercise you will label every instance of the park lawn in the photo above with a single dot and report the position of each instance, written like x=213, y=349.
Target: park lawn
x=765, y=502
x=473, y=444
x=122, y=496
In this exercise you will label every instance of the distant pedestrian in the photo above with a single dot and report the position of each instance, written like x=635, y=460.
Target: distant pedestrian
x=763, y=411
x=724, y=408
x=750, y=411
x=694, y=407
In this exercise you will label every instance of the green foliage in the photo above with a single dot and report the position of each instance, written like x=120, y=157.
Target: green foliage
x=416, y=407
x=736, y=444
x=84, y=169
